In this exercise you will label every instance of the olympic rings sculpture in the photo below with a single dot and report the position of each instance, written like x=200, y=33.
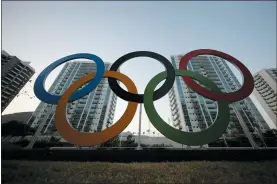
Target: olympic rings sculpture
x=206, y=136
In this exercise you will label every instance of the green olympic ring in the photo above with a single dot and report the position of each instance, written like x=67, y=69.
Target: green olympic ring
x=208, y=135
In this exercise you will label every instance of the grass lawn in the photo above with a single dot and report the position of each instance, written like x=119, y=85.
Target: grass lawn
x=167, y=172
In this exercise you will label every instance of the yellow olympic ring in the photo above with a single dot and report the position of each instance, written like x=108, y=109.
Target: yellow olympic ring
x=89, y=139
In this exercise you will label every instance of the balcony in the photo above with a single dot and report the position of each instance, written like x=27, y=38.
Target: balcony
x=10, y=75
x=176, y=117
x=14, y=72
x=177, y=123
x=209, y=102
x=7, y=93
x=5, y=82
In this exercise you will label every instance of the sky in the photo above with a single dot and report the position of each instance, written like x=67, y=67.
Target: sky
x=42, y=32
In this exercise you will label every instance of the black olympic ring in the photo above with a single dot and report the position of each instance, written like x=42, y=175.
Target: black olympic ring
x=159, y=93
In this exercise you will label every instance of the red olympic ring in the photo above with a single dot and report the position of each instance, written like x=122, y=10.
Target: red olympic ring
x=243, y=92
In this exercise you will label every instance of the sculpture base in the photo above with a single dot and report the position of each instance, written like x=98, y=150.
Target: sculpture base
x=145, y=155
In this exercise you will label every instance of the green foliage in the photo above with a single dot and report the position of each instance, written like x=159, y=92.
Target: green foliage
x=22, y=143
x=16, y=128
x=217, y=143
x=270, y=138
x=111, y=143
x=130, y=142
x=160, y=145
x=53, y=142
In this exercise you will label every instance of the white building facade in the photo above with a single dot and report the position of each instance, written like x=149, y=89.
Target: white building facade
x=265, y=92
x=15, y=74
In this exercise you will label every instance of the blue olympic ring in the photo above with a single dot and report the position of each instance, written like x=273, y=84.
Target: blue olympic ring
x=46, y=97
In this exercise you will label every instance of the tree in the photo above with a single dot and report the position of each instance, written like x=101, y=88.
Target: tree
x=239, y=141
x=130, y=142
x=270, y=137
x=111, y=143
x=130, y=138
x=53, y=142
x=16, y=128
x=22, y=143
